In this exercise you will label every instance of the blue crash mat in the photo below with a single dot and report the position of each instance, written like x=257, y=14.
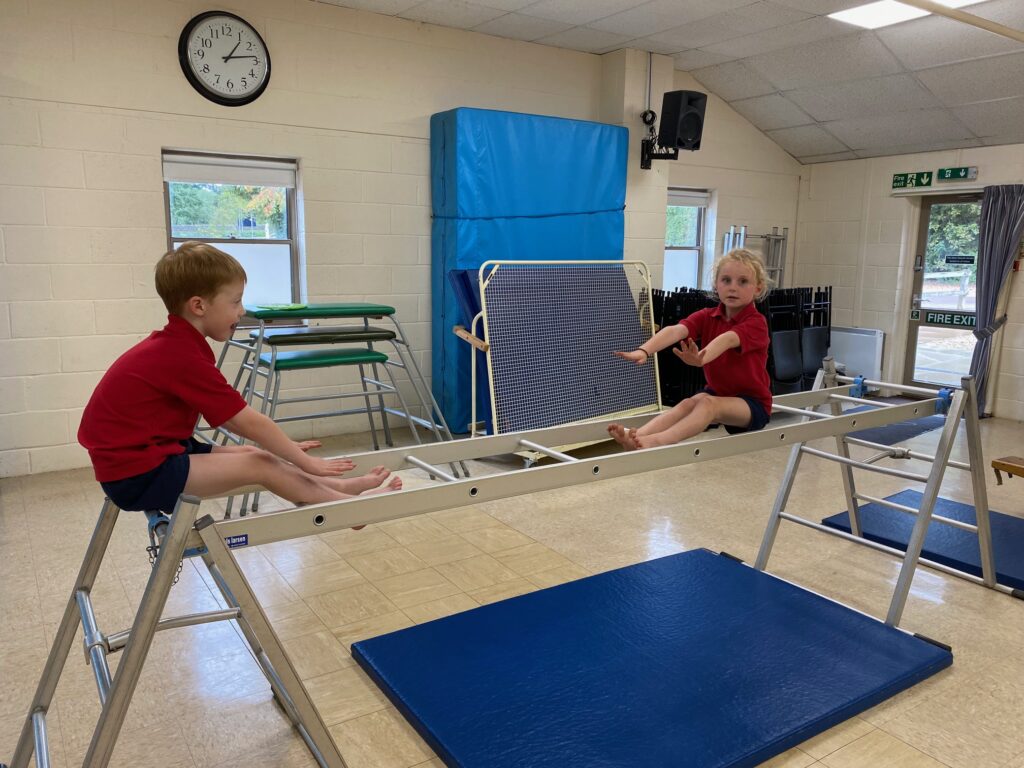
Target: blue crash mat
x=690, y=660
x=890, y=434
x=943, y=543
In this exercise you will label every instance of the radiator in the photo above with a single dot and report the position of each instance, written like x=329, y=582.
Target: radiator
x=859, y=350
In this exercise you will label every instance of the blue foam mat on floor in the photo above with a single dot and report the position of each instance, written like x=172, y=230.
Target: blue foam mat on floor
x=943, y=543
x=690, y=660
x=891, y=434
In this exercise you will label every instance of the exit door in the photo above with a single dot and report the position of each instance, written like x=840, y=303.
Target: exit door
x=941, y=341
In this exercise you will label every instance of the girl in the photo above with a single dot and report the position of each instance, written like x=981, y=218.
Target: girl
x=734, y=358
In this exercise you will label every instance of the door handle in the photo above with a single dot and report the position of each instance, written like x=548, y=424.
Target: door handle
x=919, y=263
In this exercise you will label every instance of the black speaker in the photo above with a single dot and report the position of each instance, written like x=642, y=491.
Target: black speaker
x=682, y=119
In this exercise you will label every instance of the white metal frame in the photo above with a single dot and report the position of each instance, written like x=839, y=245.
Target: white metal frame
x=488, y=269
x=214, y=539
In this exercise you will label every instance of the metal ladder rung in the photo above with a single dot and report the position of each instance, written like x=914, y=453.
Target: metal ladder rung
x=912, y=511
x=854, y=463
x=897, y=453
x=800, y=411
x=430, y=468
x=546, y=451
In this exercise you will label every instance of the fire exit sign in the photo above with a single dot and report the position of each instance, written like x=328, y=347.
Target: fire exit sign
x=918, y=179
x=963, y=173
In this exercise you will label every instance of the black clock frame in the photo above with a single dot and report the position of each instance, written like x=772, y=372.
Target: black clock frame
x=199, y=85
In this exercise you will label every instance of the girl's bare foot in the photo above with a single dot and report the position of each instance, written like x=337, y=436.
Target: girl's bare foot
x=620, y=436
x=649, y=441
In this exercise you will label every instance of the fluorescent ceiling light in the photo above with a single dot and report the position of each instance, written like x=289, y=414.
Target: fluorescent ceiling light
x=886, y=12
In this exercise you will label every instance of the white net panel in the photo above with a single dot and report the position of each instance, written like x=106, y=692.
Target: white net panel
x=552, y=329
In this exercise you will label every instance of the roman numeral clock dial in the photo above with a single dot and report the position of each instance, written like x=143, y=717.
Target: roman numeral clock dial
x=224, y=58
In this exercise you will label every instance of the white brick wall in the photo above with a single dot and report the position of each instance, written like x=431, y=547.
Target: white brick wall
x=82, y=216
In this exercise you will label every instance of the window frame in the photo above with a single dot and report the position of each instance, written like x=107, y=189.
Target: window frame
x=291, y=203
x=682, y=197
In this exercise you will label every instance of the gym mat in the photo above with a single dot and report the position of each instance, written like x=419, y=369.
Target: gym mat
x=891, y=434
x=943, y=543
x=693, y=659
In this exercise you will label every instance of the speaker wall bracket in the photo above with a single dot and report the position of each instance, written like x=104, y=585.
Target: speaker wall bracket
x=649, y=153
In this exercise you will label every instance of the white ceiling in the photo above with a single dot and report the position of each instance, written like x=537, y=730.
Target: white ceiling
x=822, y=89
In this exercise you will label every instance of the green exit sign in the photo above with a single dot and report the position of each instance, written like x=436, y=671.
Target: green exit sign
x=905, y=180
x=963, y=173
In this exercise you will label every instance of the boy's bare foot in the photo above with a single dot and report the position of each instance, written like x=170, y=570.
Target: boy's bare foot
x=371, y=479
x=395, y=484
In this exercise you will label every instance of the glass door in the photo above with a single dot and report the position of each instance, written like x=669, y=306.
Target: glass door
x=940, y=341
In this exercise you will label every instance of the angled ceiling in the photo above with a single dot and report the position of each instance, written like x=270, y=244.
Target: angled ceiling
x=823, y=90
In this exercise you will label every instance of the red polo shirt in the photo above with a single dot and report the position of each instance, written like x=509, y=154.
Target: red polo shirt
x=150, y=400
x=742, y=370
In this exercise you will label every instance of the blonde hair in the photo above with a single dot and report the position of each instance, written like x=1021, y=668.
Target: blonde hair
x=194, y=269
x=747, y=258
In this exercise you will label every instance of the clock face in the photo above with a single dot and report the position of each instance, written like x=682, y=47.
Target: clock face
x=224, y=58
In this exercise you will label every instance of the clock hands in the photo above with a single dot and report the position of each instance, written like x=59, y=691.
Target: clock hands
x=248, y=56
x=230, y=56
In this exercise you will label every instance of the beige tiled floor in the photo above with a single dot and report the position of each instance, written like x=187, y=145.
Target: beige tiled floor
x=202, y=702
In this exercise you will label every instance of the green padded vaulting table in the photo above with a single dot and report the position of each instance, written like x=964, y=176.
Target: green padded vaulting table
x=335, y=345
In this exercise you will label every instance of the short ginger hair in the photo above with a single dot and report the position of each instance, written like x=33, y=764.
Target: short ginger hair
x=194, y=269
x=747, y=258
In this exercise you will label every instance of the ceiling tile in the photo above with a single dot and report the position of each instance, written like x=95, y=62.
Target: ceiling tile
x=384, y=7
x=919, y=148
x=876, y=96
x=731, y=24
x=852, y=57
x=808, y=31
x=993, y=118
x=913, y=127
x=933, y=40
x=733, y=80
x=519, y=26
x=830, y=158
x=820, y=6
x=655, y=16
x=770, y=112
x=585, y=39
x=806, y=140
x=997, y=77
x=579, y=11
x=504, y=5
x=695, y=59
x=1013, y=138
x=451, y=13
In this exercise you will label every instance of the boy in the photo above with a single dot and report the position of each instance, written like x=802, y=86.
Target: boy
x=138, y=424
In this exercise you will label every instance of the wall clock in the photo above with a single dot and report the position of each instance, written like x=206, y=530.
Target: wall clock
x=224, y=58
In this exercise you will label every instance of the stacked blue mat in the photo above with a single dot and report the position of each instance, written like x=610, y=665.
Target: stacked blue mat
x=943, y=543
x=509, y=186
x=690, y=660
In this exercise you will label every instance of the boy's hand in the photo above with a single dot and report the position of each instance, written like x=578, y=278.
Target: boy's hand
x=326, y=467
x=308, y=445
x=636, y=356
x=690, y=353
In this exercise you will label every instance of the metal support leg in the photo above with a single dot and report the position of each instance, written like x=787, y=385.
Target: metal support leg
x=977, y=463
x=782, y=497
x=924, y=515
x=294, y=696
x=369, y=408
x=33, y=732
x=143, y=629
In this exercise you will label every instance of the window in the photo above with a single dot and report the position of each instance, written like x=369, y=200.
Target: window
x=684, y=238
x=246, y=207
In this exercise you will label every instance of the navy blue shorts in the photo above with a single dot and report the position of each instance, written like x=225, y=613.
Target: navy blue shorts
x=160, y=487
x=758, y=417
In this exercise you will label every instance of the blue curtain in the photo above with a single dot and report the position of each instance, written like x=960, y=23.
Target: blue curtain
x=999, y=234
